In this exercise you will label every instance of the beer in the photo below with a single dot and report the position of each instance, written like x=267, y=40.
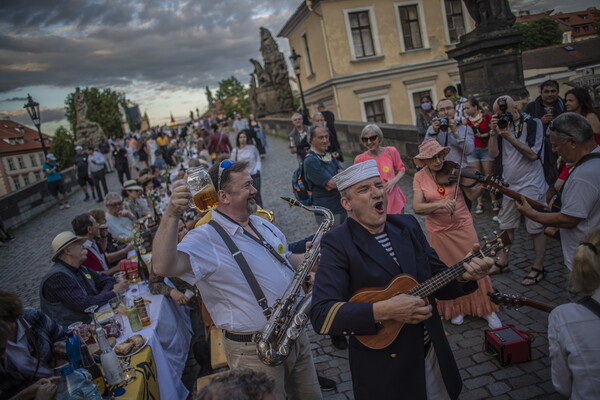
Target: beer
x=142, y=311
x=206, y=198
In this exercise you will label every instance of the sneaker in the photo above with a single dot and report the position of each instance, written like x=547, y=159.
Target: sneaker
x=493, y=321
x=326, y=384
x=479, y=209
x=458, y=320
x=495, y=205
x=61, y=206
x=87, y=197
x=67, y=205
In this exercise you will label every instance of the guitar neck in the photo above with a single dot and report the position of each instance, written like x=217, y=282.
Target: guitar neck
x=538, y=305
x=517, y=196
x=440, y=280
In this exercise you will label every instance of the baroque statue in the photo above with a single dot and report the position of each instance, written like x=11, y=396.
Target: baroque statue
x=270, y=90
x=490, y=15
x=87, y=133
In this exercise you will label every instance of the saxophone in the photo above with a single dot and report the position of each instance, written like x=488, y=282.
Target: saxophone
x=288, y=319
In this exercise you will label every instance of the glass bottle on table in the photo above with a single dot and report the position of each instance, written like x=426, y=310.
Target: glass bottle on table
x=133, y=316
x=73, y=349
x=87, y=360
x=109, y=360
x=142, y=310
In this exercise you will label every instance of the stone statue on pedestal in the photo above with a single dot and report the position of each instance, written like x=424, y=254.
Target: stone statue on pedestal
x=270, y=90
x=490, y=15
x=87, y=133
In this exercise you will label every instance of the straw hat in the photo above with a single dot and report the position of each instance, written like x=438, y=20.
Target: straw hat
x=131, y=185
x=62, y=240
x=428, y=150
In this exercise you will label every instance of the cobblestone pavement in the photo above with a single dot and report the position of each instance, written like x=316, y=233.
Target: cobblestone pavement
x=25, y=260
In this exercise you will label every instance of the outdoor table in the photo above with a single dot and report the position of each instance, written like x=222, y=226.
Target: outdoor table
x=145, y=385
x=169, y=337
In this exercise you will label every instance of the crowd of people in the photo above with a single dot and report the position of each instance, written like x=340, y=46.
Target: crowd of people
x=249, y=263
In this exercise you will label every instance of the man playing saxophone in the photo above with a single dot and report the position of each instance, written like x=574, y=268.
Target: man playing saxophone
x=369, y=250
x=205, y=259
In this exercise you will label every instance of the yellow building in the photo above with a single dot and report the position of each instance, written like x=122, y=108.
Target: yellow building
x=372, y=60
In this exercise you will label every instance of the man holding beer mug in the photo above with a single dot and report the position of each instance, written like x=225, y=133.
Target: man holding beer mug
x=203, y=259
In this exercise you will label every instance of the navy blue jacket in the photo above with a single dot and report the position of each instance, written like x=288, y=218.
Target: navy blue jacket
x=352, y=259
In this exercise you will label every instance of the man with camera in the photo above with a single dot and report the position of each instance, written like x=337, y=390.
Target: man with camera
x=519, y=139
x=449, y=132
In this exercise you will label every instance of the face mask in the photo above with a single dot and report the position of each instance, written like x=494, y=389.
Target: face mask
x=453, y=98
x=426, y=106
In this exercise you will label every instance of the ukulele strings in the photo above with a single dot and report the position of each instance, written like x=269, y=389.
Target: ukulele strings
x=438, y=281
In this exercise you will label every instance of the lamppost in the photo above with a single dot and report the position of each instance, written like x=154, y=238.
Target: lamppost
x=295, y=59
x=33, y=109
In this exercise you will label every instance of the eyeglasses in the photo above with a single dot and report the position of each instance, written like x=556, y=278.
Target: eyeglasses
x=225, y=164
x=445, y=109
x=554, y=128
x=438, y=156
x=297, y=119
x=118, y=203
x=369, y=138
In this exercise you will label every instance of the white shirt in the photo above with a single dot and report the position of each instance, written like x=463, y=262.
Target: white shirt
x=217, y=275
x=250, y=154
x=119, y=227
x=575, y=350
x=96, y=162
x=18, y=353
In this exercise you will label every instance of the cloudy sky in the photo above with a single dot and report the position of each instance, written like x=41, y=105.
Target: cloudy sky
x=161, y=53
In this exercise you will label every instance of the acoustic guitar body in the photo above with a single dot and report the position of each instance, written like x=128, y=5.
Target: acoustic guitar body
x=390, y=329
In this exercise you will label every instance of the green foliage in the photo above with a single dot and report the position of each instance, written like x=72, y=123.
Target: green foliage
x=209, y=98
x=191, y=115
x=596, y=23
x=232, y=97
x=102, y=107
x=62, y=147
x=540, y=33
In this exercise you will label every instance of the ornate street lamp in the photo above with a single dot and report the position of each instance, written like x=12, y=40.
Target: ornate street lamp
x=295, y=59
x=33, y=109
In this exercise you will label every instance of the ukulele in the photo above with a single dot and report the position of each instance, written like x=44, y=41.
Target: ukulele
x=512, y=300
x=406, y=284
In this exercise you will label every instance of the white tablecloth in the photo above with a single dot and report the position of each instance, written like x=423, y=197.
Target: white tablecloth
x=169, y=337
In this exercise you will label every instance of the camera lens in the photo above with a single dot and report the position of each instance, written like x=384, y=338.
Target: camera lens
x=444, y=124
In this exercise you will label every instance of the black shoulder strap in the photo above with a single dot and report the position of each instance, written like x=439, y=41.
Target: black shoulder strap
x=243, y=264
x=590, y=303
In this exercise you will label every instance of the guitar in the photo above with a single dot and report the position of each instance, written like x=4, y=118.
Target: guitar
x=512, y=300
x=496, y=185
x=406, y=284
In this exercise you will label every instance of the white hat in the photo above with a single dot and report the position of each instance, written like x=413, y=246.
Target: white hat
x=51, y=156
x=356, y=173
x=77, y=148
x=62, y=240
x=131, y=185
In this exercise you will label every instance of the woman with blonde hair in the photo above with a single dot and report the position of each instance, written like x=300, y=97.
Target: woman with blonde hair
x=574, y=349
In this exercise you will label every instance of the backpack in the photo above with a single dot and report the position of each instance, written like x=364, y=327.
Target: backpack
x=300, y=187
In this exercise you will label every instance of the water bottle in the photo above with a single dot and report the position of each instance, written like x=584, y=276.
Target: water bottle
x=109, y=360
x=73, y=351
x=76, y=385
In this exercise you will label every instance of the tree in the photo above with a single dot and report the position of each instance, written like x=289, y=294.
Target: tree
x=209, y=98
x=62, y=147
x=232, y=97
x=540, y=33
x=102, y=107
x=191, y=115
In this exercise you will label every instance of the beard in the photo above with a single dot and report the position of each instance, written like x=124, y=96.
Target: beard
x=251, y=206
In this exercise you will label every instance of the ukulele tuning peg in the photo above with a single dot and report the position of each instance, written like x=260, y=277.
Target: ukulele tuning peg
x=495, y=233
x=492, y=253
x=485, y=237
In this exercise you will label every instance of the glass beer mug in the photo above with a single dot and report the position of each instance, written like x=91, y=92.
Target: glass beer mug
x=204, y=195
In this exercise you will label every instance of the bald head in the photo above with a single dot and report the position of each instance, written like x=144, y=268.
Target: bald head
x=510, y=104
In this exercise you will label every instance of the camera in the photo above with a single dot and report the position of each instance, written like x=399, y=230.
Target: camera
x=443, y=124
x=504, y=117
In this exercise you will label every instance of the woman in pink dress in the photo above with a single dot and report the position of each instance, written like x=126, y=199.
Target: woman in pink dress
x=390, y=165
x=450, y=230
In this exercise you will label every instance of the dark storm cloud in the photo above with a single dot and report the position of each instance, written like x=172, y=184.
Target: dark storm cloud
x=46, y=115
x=181, y=43
x=14, y=99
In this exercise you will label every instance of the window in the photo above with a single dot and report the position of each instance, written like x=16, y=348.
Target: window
x=362, y=38
x=307, y=60
x=26, y=180
x=16, y=182
x=416, y=97
x=41, y=157
x=375, y=111
x=586, y=28
x=21, y=162
x=37, y=175
x=576, y=29
x=411, y=28
x=33, y=160
x=11, y=164
x=455, y=20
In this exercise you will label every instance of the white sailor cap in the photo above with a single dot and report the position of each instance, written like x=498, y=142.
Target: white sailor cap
x=356, y=173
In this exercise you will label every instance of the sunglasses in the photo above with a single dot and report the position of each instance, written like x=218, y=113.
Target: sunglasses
x=555, y=128
x=369, y=139
x=225, y=164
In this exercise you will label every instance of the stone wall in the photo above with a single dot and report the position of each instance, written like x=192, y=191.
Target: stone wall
x=20, y=206
x=404, y=137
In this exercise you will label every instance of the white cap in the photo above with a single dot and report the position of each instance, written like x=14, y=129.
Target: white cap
x=77, y=148
x=356, y=173
x=51, y=156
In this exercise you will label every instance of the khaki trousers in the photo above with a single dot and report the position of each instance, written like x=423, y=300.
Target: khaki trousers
x=295, y=379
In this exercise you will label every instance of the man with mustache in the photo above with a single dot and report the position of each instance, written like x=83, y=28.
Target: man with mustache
x=369, y=250
x=203, y=258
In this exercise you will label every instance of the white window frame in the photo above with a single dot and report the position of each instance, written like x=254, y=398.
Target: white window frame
x=16, y=182
x=374, y=31
x=466, y=21
x=410, y=91
x=424, y=36
x=376, y=95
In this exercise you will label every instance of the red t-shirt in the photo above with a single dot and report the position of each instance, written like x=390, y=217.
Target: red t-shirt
x=482, y=127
